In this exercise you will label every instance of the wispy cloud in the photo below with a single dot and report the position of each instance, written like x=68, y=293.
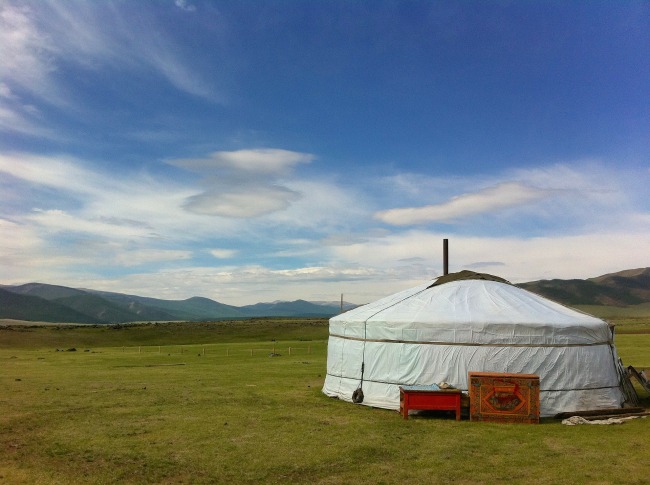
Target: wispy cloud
x=20, y=119
x=40, y=40
x=185, y=5
x=66, y=194
x=509, y=194
x=51, y=171
x=326, y=206
x=62, y=221
x=29, y=54
x=27, y=72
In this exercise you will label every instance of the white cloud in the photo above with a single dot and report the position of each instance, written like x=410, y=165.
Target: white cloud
x=501, y=196
x=224, y=253
x=184, y=5
x=260, y=161
x=18, y=244
x=19, y=120
x=243, y=183
x=248, y=201
x=5, y=92
x=324, y=206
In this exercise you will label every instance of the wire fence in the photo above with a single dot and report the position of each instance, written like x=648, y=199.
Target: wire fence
x=220, y=350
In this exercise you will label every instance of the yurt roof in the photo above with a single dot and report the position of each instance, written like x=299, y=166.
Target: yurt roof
x=467, y=298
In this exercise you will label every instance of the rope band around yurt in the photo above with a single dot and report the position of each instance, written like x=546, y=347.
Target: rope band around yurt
x=375, y=381
x=462, y=344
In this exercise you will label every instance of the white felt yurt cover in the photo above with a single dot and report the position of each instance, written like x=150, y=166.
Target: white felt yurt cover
x=440, y=332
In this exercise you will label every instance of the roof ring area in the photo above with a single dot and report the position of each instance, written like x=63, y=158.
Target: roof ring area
x=466, y=275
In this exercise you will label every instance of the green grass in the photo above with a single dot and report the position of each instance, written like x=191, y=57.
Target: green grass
x=631, y=311
x=80, y=336
x=630, y=319
x=189, y=404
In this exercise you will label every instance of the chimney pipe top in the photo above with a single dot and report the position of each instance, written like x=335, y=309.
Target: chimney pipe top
x=445, y=256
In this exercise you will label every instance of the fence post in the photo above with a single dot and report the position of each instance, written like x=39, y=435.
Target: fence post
x=289, y=350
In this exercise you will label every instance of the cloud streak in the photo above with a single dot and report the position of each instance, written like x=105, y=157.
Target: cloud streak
x=502, y=196
x=245, y=201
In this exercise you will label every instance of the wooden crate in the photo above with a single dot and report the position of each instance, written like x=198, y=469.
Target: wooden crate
x=507, y=398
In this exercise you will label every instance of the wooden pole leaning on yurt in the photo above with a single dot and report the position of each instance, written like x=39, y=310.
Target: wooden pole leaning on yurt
x=445, y=256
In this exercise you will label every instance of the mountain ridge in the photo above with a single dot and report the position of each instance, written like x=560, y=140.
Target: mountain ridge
x=624, y=288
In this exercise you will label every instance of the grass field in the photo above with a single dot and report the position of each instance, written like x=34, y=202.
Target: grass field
x=616, y=312
x=206, y=403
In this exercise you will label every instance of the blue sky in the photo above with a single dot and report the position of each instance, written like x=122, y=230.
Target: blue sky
x=257, y=151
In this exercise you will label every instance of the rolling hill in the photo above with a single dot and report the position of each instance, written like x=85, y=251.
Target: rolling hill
x=625, y=288
x=147, y=309
x=33, y=308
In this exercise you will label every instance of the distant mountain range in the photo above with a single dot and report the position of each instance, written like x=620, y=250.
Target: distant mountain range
x=51, y=303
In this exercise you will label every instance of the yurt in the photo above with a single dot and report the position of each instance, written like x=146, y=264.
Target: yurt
x=472, y=322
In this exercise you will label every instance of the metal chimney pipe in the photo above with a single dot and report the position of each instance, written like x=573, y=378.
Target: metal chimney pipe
x=445, y=256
